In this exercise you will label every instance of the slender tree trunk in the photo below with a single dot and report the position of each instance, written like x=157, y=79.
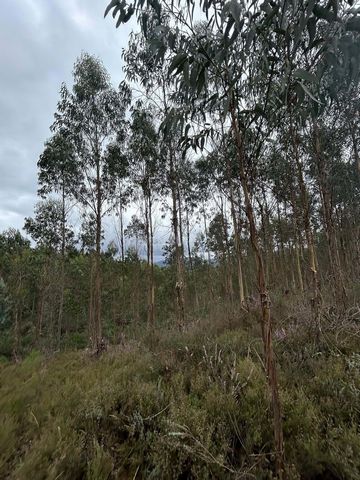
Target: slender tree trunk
x=122, y=249
x=298, y=267
x=179, y=286
x=62, y=269
x=355, y=146
x=270, y=364
x=297, y=240
x=237, y=242
x=121, y=219
x=41, y=302
x=208, y=252
x=227, y=256
x=281, y=249
x=188, y=239
x=181, y=236
x=191, y=266
x=40, y=315
x=91, y=302
x=150, y=255
x=334, y=257
x=316, y=300
x=97, y=332
x=266, y=248
x=206, y=235
x=16, y=345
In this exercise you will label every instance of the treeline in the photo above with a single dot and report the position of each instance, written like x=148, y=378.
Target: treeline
x=305, y=196
x=245, y=131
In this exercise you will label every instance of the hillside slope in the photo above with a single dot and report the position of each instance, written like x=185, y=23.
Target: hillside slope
x=182, y=406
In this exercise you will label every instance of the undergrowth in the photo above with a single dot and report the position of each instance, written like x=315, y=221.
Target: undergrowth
x=192, y=405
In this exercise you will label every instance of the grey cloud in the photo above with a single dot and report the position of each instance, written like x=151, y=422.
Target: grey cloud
x=39, y=42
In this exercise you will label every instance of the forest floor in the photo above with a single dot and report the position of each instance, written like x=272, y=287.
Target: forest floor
x=192, y=405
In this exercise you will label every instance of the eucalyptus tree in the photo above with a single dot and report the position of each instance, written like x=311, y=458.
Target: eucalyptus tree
x=281, y=176
x=222, y=166
x=92, y=117
x=219, y=242
x=47, y=227
x=201, y=61
x=15, y=269
x=53, y=235
x=145, y=174
x=316, y=63
x=150, y=71
x=118, y=161
x=189, y=199
x=137, y=232
x=348, y=112
x=59, y=174
x=325, y=153
x=234, y=63
x=332, y=148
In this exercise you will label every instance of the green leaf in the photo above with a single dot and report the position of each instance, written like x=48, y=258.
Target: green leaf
x=235, y=11
x=201, y=81
x=249, y=38
x=129, y=14
x=230, y=23
x=235, y=34
x=111, y=5
x=307, y=91
x=305, y=75
x=324, y=13
x=194, y=75
x=116, y=11
x=186, y=71
x=177, y=61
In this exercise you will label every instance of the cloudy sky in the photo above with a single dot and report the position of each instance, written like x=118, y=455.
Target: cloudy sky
x=39, y=42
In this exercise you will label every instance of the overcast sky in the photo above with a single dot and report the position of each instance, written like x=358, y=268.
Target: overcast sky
x=39, y=42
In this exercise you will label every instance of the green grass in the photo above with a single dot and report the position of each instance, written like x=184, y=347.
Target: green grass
x=180, y=406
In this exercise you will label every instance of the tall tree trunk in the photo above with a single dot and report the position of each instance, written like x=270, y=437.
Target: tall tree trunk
x=97, y=324
x=62, y=268
x=206, y=235
x=355, y=146
x=16, y=345
x=179, y=286
x=181, y=235
x=208, y=269
x=188, y=239
x=267, y=249
x=121, y=218
x=191, y=266
x=297, y=240
x=237, y=242
x=266, y=324
x=40, y=315
x=44, y=287
x=298, y=267
x=281, y=249
x=316, y=301
x=150, y=256
x=334, y=257
x=227, y=255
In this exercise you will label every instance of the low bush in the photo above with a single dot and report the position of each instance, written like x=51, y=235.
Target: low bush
x=182, y=406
